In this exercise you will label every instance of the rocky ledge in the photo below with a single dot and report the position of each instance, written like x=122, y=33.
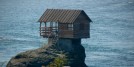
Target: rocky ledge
x=50, y=55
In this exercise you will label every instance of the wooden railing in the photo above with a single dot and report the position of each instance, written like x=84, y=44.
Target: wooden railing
x=48, y=31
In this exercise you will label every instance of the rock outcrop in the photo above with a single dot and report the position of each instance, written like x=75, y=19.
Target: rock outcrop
x=72, y=55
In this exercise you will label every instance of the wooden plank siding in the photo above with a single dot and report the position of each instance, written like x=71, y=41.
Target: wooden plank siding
x=66, y=34
x=81, y=27
x=62, y=26
x=64, y=31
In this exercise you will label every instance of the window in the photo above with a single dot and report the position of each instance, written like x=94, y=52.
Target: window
x=70, y=26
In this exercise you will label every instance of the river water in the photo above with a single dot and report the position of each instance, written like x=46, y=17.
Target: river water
x=112, y=31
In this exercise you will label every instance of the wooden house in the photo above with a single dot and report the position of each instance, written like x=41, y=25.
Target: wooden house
x=65, y=23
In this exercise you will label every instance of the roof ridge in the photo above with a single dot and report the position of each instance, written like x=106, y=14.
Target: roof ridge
x=65, y=9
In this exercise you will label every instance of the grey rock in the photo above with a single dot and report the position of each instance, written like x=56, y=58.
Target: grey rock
x=43, y=56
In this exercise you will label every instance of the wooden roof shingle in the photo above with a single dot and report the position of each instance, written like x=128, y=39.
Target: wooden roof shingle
x=61, y=15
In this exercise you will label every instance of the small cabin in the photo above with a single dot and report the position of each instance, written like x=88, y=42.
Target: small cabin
x=64, y=23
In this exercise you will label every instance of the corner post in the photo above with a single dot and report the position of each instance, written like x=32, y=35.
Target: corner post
x=45, y=28
x=40, y=28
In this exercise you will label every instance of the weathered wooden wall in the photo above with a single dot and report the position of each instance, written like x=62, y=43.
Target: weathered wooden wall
x=81, y=27
x=64, y=32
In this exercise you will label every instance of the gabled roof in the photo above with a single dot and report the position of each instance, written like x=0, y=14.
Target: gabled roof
x=61, y=15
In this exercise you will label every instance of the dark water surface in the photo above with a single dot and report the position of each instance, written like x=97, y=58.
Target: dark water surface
x=112, y=31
